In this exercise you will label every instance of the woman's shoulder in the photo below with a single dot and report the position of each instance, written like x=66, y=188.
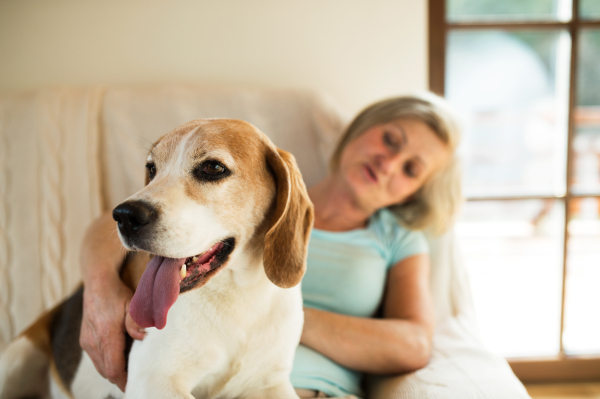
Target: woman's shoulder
x=401, y=241
x=385, y=221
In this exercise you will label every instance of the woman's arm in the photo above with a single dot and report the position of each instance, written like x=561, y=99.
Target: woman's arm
x=400, y=342
x=105, y=301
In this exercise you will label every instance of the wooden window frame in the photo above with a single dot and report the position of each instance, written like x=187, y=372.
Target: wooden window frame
x=561, y=367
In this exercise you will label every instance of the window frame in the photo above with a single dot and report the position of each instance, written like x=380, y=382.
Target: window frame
x=562, y=366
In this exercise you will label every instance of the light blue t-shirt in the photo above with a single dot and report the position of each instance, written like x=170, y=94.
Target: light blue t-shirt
x=346, y=273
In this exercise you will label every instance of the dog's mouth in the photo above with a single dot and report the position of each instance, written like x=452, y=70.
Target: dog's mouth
x=165, y=278
x=200, y=268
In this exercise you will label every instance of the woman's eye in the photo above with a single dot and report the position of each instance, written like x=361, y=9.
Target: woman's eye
x=213, y=168
x=410, y=170
x=151, y=170
x=389, y=140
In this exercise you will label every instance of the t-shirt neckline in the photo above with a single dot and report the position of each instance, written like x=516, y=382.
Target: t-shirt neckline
x=353, y=231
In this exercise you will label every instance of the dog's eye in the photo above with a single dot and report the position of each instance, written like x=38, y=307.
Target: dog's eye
x=151, y=170
x=213, y=168
x=211, y=171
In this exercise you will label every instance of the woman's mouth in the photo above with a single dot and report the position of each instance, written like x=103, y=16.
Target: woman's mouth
x=370, y=173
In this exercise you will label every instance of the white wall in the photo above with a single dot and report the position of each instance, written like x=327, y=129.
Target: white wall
x=356, y=50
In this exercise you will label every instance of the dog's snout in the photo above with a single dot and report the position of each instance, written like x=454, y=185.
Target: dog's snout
x=133, y=216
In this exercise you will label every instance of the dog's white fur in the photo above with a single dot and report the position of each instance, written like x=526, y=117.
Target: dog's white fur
x=235, y=337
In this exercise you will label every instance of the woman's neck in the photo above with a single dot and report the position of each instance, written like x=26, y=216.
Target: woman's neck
x=336, y=208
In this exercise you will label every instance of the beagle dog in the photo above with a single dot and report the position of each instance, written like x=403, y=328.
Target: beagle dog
x=218, y=238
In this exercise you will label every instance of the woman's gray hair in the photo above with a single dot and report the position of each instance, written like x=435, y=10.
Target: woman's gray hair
x=435, y=204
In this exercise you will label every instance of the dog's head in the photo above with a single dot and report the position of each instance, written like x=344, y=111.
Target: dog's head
x=216, y=189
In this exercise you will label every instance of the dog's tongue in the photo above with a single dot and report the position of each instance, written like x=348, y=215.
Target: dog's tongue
x=157, y=292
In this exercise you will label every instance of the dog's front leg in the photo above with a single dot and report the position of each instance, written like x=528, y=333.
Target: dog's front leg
x=153, y=377
x=156, y=387
x=161, y=368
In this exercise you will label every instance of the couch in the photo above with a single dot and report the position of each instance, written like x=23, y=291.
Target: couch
x=68, y=154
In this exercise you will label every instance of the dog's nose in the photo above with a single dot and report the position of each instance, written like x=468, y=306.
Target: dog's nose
x=132, y=216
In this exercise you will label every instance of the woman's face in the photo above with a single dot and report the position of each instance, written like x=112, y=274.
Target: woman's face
x=388, y=163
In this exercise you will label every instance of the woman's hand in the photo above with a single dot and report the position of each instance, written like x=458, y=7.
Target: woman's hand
x=398, y=343
x=105, y=321
x=105, y=301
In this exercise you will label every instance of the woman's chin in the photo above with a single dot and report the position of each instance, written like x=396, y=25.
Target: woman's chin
x=366, y=195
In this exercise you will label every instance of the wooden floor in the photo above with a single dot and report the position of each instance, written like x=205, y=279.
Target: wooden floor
x=564, y=391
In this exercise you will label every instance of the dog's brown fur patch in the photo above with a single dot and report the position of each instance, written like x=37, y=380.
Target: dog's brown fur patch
x=39, y=332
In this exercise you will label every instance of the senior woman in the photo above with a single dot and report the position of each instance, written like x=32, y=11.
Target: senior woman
x=393, y=173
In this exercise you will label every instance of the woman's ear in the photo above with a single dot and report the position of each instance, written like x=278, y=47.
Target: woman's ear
x=286, y=241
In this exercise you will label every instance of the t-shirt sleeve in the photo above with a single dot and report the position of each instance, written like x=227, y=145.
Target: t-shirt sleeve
x=407, y=243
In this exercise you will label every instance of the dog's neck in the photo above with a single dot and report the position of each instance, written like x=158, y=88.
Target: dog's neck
x=245, y=270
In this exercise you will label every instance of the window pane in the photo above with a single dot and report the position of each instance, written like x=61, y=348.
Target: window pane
x=513, y=253
x=509, y=10
x=582, y=317
x=511, y=89
x=586, y=142
x=589, y=9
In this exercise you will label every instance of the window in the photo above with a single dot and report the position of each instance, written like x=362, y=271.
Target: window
x=524, y=76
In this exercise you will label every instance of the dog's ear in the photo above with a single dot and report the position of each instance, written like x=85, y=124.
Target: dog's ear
x=286, y=240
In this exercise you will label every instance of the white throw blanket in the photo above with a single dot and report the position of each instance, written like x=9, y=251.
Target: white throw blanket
x=50, y=192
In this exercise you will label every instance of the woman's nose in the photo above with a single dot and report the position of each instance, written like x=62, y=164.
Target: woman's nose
x=389, y=162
